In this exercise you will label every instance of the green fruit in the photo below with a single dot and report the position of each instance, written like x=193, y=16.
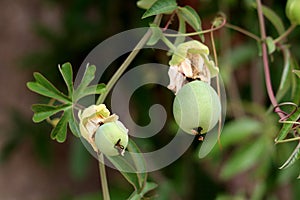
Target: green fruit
x=293, y=11
x=111, y=138
x=196, y=107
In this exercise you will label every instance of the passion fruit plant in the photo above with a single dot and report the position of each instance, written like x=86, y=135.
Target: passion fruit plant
x=190, y=72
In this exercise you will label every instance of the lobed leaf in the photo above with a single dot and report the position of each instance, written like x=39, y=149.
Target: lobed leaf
x=90, y=90
x=59, y=132
x=42, y=111
x=67, y=74
x=161, y=7
x=43, y=87
x=74, y=126
x=87, y=78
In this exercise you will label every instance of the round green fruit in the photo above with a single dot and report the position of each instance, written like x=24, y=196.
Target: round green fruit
x=293, y=11
x=111, y=138
x=196, y=107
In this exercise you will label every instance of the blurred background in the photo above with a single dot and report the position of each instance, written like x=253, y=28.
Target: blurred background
x=37, y=35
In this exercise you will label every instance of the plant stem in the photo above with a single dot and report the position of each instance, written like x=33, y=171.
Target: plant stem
x=127, y=62
x=265, y=59
x=243, y=31
x=103, y=178
x=285, y=34
x=109, y=86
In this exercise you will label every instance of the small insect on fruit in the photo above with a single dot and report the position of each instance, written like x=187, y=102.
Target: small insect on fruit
x=111, y=138
x=196, y=108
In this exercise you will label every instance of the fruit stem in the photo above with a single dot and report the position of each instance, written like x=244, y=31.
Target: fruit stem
x=103, y=178
x=285, y=34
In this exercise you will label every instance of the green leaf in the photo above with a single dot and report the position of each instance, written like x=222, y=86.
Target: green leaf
x=90, y=90
x=67, y=74
x=87, y=78
x=271, y=45
x=243, y=159
x=239, y=130
x=181, y=29
x=155, y=36
x=59, y=132
x=192, y=18
x=43, y=87
x=293, y=158
x=42, y=111
x=295, y=83
x=145, y=4
x=74, y=127
x=273, y=18
x=148, y=187
x=287, y=126
x=139, y=162
x=125, y=168
x=285, y=81
x=161, y=7
x=297, y=72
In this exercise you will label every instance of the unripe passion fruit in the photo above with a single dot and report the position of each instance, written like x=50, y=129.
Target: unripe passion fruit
x=196, y=107
x=293, y=11
x=111, y=138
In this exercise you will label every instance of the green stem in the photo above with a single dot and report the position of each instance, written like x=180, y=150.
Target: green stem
x=103, y=177
x=168, y=43
x=288, y=140
x=243, y=31
x=198, y=32
x=285, y=34
x=127, y=62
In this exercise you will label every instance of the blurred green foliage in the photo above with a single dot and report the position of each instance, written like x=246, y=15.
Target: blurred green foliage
x=246, y=167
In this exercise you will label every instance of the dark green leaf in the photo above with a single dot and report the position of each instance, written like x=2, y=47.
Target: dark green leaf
x=287, y=126
x=293, y=157
x=42, y=111
x=87, y=78
x=59, y=132
x=161, y=7
x=74, y=127
x=43, y=87
x=90, y=90
x=67, y=73
x=243, y=159
x=271, y=45
x=155, y=36
x=285, y=81
x=192, y=18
